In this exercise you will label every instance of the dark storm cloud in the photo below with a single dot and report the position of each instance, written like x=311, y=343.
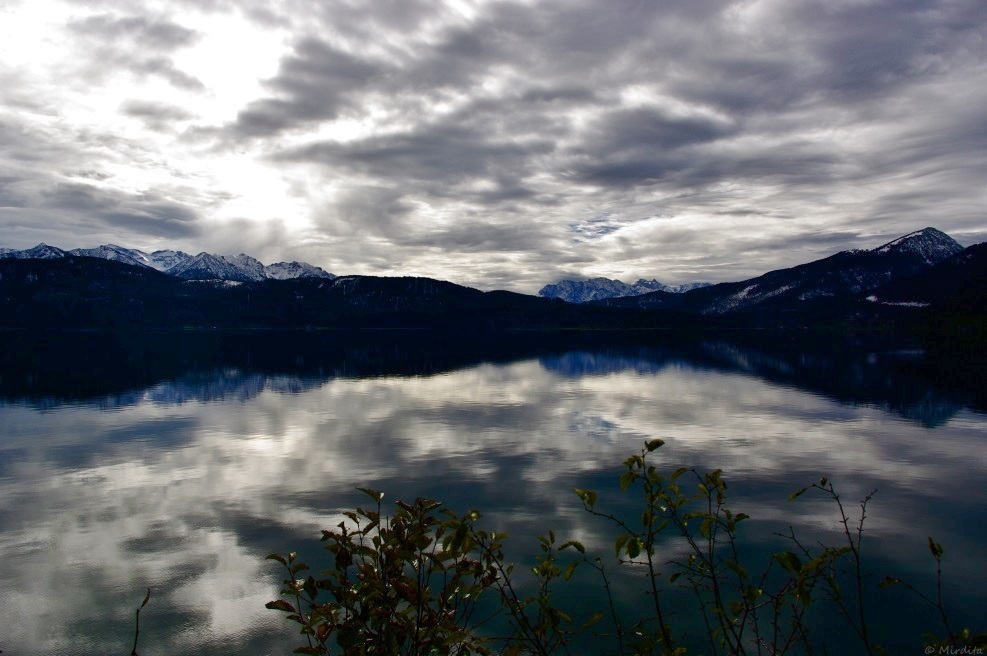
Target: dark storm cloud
x=828, y=54
x=432, y=158
x=638, y=146
x=312, y=85
x=146, y=214
x=156, y=115
x=368, y=209
x=474, y=236
x=9, y=196
x=154, y=35
x=869, y=47
x=135, y=44
x=650, y=128
x=430, y=154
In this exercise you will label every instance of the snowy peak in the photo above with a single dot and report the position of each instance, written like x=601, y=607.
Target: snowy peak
x=595, y=289
x=643, y=286
x=932, y=245
x=582, y=291
x=113, y=252
x=39, y=252
x=163, y=260
x=205, y=266
x=291, y=270
x=250, y=267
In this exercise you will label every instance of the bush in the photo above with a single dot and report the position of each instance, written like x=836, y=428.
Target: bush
x=428, y=581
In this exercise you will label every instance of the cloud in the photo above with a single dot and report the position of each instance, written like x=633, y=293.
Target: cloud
x=134, y=44
x=156, y=115
x=415, y=125
x=153, y=35
x=147, y=213
x=9, y=196
x=312, y=85
x=436, y=154
x=364, y=209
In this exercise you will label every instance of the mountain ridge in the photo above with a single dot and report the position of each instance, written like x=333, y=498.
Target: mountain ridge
x=204, y=266
x=924, y=279
x=595, y=289
x=843, y=274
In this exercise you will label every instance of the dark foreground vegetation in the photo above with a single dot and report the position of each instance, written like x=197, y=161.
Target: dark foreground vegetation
x=426, y=580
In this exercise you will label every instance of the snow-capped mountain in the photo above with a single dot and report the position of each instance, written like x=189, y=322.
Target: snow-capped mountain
x=957, y=281
x=251, y=266
x=843, y=275
x=39, y=252
x=849, y=272
x=291, y=270
x=215, y=267
x=595, y=289
x=204, y=266
x=932, y=245
x=113, y=252
x=165, y=259
x=907, y=293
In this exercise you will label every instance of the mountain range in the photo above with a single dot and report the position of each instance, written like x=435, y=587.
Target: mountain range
x=596, y=289
x=921, y=281
x=204, y=266
x=844, y=275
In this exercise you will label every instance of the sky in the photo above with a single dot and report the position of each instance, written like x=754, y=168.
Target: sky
x=500, y=145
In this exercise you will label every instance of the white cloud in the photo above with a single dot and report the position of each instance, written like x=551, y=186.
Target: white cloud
x=859, y=122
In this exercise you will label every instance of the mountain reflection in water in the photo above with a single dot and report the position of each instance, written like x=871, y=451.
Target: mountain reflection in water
x=178, y=461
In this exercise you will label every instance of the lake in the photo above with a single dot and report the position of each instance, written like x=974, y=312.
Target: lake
x=178, y=461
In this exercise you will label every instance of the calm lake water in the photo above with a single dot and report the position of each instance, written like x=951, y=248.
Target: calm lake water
x=178, y=462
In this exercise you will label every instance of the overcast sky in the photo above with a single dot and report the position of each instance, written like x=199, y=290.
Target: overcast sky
x=495, y=144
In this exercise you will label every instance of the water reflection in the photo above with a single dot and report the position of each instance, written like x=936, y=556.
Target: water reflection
x=185, y=483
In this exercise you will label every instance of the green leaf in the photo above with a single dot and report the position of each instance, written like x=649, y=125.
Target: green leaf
x=311, y=589
x=935, y=548
x=280, y=604
x=737, y=568
x=618, y=544
x=575, y=544
x=634, y=462
x=633, y=548
x=651, y=445
x=626, y=480
x=789, y=561
x=593, y=619
x=376, y=495
x=588, y=497
x=797, y=493
x=888, y=581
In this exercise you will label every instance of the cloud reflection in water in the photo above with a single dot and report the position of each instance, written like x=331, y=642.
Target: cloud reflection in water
x=185, y=486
